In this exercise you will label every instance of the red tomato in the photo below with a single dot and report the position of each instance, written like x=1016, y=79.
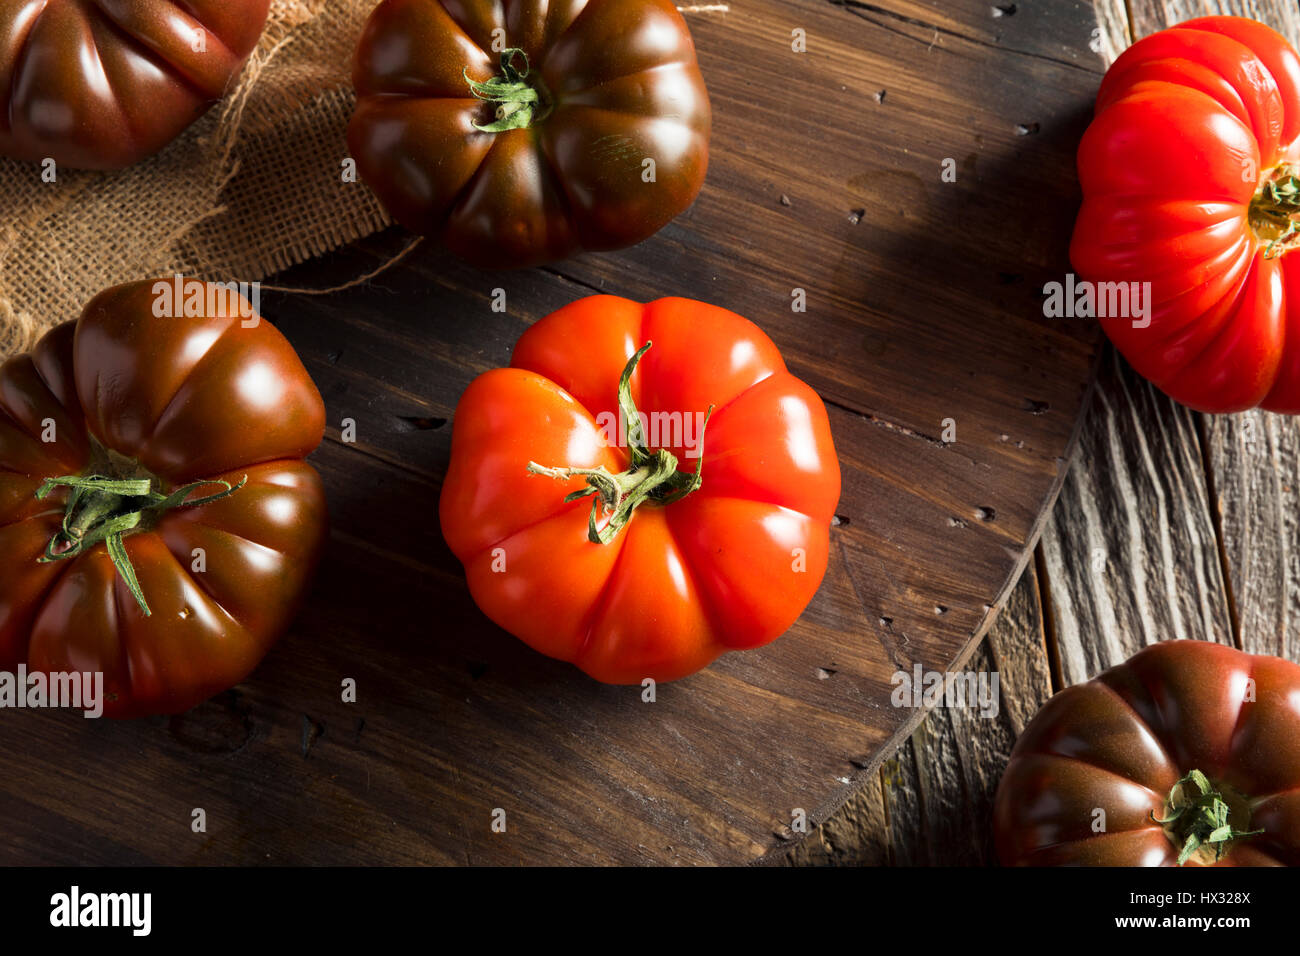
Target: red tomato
x=215, y=407
x=1189, y=174
x=1187, y=750
x=725, y=563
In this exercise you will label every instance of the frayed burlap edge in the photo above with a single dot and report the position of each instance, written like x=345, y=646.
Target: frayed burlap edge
x=252, y=188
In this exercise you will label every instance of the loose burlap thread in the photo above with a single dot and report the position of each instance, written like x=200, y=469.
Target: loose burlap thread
x=252, y=188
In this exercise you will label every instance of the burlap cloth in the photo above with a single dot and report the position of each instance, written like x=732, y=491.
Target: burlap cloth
x=253, y=187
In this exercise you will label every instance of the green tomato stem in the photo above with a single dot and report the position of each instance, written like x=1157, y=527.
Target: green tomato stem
x=105, y=508
x=1197, y=816
x=653, y=476
x=1275, y=210
x=520, y=96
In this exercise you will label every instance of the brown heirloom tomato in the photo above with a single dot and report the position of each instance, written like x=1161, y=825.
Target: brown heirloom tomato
x=521, y=132
x=157, y=521
x=1187, y=752
x=101, y=84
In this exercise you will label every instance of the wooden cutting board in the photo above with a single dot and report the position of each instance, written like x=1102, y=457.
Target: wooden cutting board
x=923, y=323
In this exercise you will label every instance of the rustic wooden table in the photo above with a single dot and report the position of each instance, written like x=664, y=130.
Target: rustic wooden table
x=1171, y=524
x=866, y=162
x=926, y=308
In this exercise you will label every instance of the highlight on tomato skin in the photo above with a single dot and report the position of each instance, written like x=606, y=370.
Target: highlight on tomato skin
x=105, y=85
x=645, y=487
x=158, y=522
x=1187, y=754
x=519, y=133
x=1190, y=172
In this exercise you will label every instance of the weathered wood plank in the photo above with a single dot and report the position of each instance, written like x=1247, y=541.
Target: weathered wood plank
x=1046, y=30
x=1152, y=15
x=1114, y=30
x=930, y=803
x=857, y=834
x=1131, y=556
x=939, y=789
x=1254, y=463
x=1130, y=552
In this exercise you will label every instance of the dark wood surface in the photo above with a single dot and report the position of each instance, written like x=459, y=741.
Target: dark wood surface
x=923, y=305
x=1171, y=524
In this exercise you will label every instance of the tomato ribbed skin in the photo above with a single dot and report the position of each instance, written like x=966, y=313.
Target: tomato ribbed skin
x=730, y=566
x=618, y=147
x=1099, y=760
x=1191, y=123
x=101, y=84
x=184, y=399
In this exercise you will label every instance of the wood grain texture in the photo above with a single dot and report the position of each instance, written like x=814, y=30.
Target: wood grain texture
x=1114, y=32
x=939, y=789
x=817, y=184
x=1130, y=552
x=930, y=803
x=1136, y=483
x=1254, y=463
x=1129, y=556
x=909, y=831
x=904, y=819
x=1148, y=16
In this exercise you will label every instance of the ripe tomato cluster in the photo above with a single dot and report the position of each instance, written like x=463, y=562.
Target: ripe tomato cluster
x=159, y=522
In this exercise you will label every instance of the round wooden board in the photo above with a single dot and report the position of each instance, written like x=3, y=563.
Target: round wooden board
x=923, y=323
